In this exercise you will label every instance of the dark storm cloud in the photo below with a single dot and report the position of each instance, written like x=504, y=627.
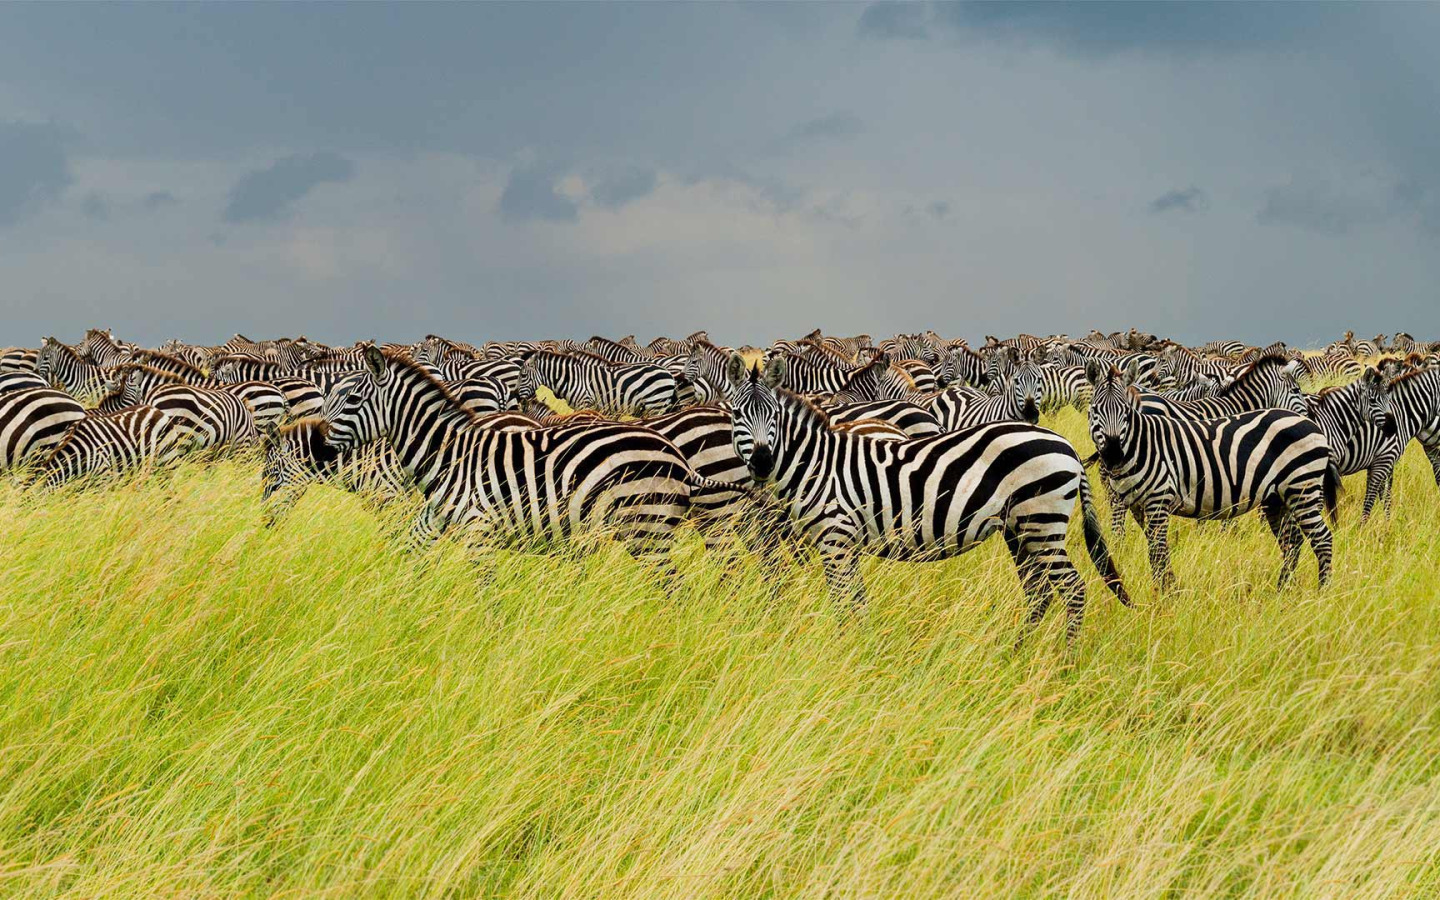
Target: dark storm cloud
x=938, y=209
x=616, y=189
x=533, y=192
x=1190, y=199
x=34, y=168
x=835, y=125
x=269, y=194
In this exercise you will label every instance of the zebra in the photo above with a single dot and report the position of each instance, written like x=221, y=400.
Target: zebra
x=910, y=347
x=961, y=365
x=1183, y=366
x=705, y=367
x=584, y=379
x=212, y=417
x=1215, y=469
x=1414, y=406
x=615, y=351
x=137, y=383
x=298, y=454
x=61, y=366
x=101, y=348
x=1266, y=383
x=1018, y=401
x=18, y=359
x=878, y=379
x=1062, y=386
x=33, y=421
x=919, y=499
x=912, y=419
x=1222, y=349
x=1356, y=422
x=549, y=483
x=113, y=444
x=1328, y=366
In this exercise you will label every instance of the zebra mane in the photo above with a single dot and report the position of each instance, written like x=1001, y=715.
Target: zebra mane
x=243, y=358
x=168, y=359
x=131, y=367
x=408, y=365
x=580, y=354
x=1268, y=359
x=68, y=350
x=1406, y=376
x=803, y=405
x=319, y=423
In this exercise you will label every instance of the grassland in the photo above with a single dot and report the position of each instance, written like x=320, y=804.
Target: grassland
x=191, y=705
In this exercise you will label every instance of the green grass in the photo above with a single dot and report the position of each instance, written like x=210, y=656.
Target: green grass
x=193, y=706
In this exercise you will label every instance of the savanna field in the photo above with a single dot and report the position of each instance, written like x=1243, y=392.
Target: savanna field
x=196, y=706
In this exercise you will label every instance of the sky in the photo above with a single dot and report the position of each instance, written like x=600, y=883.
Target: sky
x=495, y=171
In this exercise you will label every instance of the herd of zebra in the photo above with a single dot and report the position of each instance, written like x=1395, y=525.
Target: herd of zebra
x=913, y=447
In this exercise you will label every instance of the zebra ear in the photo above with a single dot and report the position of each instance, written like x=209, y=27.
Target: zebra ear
x=1132, y=370
x=1094, y=371
x=775, y=371
x=735, y=371
x=375, y=359
x=1371, y=377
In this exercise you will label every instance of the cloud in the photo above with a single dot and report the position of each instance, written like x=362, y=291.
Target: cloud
x=533, y=192
x=614, y=190
x=1320, y=207
x=1190, y=200
x=938, y=209
x=34, y=168
x=96, y=206
x=835, y=125
x=157, y=200
x=895, y=21
x=270, y=194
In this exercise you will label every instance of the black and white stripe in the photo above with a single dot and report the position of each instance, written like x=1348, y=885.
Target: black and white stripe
x=1356, y=422
x=585, y=380
x=33, y=421
x=114, y=444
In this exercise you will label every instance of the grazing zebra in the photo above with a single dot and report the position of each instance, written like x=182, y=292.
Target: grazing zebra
x=211, y=416
x=60, y=365
x=1214, y=469
x=299, y=454
x=550, y=483
x=34, y=420
x=1062, y=386
x=920, y=499
x=584, y=379
x=1223, y=349
x=1328, y=366
x=114, y=444
x=1356, y=422
x=912, y=419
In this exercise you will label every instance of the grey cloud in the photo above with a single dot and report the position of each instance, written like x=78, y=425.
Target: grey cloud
x=156, y=200
x=96, y=205
x=938, y=209
x=269, y=194
x=533, y=193
x=34, y=168
x=1318, y=206
x=1190, y=199
x=614, y=190
x=835, y=125
x=894, y=20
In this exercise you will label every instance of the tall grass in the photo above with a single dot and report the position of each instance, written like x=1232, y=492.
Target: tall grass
x=191, y=705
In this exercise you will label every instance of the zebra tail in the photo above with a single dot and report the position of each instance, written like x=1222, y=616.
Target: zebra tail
x=1091, y=460
x=1095, y=544
x=1332, y=487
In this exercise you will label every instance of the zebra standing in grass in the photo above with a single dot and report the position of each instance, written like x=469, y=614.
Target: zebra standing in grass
x=545, y=484
x=33, y=421
x=138, y=383
x=299, y=453
x=1214, y=469
x=1414, y=406
x=1356, y=422
x=920, y=499
x=59, y=364
x=114, y=444
x=583, y=379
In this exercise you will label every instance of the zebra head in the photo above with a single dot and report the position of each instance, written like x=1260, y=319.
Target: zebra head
x=1114, y=405
x=755, y=411
x=1026, y=388
x=1375, y=401
x=964, y=366
x=47, y=358
x=355, y=406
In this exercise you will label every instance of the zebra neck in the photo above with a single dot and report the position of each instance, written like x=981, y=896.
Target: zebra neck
x=423, y=423
x=807, y=451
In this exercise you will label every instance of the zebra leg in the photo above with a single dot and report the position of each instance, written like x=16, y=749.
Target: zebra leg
x=1376, y=487
x=278, y=505
x=1157, y=528
x=840, y=558
x=428, y=525
x=1287, y=535
x=1032, y=579
x=1117, y=508
x=1432, y=453
x=1308, y=511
